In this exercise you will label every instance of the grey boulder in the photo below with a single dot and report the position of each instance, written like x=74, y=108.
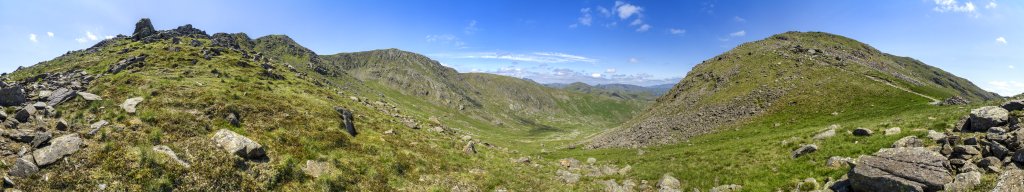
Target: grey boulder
x=58, y=148
x=901, y=169
x=238, y=144
x=983, y=118
x=129, y=104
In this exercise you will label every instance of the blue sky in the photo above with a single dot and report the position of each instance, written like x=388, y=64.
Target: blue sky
x=636, y=42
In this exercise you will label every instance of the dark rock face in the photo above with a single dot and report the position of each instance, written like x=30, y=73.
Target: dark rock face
x=1015, y=105
x=12, y=95
x=862, y=132
x=143, y=28
x=347, y=122
x=901, y=169
x=987, y=117
x=127, y=64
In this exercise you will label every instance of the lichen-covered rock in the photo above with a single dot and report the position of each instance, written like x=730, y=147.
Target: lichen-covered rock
x=58, y=148
x=908, y=141
x=239, y=145
x=1010, y=181
x=23, y=167
x=668, y=183
x=129, y=104
x=901, y=169
x=12, y=96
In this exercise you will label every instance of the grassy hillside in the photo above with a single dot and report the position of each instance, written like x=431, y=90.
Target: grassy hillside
x=190, y=87
x=800, y=74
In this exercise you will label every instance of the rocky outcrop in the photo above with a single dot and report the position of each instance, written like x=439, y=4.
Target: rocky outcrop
x=901, y=169
x=1014, y=105
x=238, y=145
x=143, y=28
x=346, y=120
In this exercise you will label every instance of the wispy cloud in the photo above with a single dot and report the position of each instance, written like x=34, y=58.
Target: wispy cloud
x=448, y=39
x=91, y=36
x=49, y=34
x=643, y=28
x=610, y=70
x=536, y=57
x=738, y=19
x=32, y=37
x=623, y=10
x=634, y=60
x=471, y=28
x=677, y=31
x=1001, y=40
x=1006, y=87
x=740, y=33
x=991, y=5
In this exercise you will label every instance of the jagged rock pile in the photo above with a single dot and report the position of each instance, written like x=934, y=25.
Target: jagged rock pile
x=989, y=140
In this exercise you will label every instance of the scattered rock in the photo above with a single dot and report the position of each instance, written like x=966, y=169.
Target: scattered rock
x=569, y=162
x=346, y=120
x=964, y=182
x=991, y=164
x=389, y=132
x=58, y=148
x=901, y=169
x=935, y=135
x=23, y=114
x=728, y=188
x=96, y=126
x=1010, y=180
x=668, y=183
x=40, y=139
x=521, y=160
x=908, y=141
x=804, y=149
x=837, y=161
x=59, y=96
x=233, y=119
x=163, y=149
x=126, y=64
x=129, y=104
x=591, y=160
x=62, y=125
x=860, y=131
x=892, y=131
x=317, y=168
x=470, y=148
x=955, y=100
x=825, y=134
x=983, y=118
x=567, y=177
x=23, y=167
x=89, y=96
x=12, y=95
x=238, y=144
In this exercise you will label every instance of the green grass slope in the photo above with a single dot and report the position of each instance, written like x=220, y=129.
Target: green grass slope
x=802, y=75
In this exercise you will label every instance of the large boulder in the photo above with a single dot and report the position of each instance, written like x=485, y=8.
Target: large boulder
x=986, y=117
x=964, y=181
x=59, y=147
x=59, y=96
x=143, y=28
x=1015, y=105
x=12, y=96
x=901, y=169
x=238, y=144
x=1010, y=181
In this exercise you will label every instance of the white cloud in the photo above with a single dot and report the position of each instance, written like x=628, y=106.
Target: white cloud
x=626, y=10
x=643, y=28
x=49, y=34
x=604, y=11
x=991, y=5
x=595, y=75
x=634, y=60
x=1006, y=88
x=677, y=31
x=81, y=40
x=636, y=22
x=738, y=19
x=943, y=6
x=536, y=57
x=1001, y=40
x=32, y=37
x=1010, y=66
x=471, y=28
x=108, y=37
x=740, y=33
x=446, y=39
x=610, y=70
x=89, y=35
x=586, y=19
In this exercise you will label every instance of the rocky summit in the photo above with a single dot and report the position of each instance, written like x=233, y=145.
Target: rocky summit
x=178, y=109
